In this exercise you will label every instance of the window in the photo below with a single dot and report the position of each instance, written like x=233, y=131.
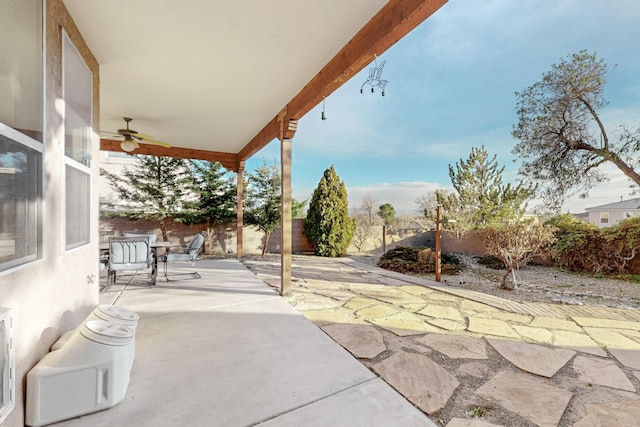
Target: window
x=21, y=78
x=77, y=89
x=21, y=125
x=604, y=217
x=20, y=198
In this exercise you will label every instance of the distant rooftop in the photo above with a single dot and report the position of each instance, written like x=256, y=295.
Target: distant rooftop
x=622, y=205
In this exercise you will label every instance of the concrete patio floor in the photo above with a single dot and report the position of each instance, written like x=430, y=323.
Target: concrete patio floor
x=227, y=350
x=471, y=359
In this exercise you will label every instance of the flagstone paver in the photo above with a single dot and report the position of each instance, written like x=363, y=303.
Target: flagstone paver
x=495, y=327
x=470, y=308
x=629, y=358
x=404, y=324
x=555, y=323
x=539, y=335
x=442, y=312
x=337, y=294
x=376, y=311
x=422, y=381
x=357, y=303
x=607, y=323
x=363, y=341
x=475, y=369
x=389, y=295
x=611, y=339
x=439, y=296
x=456, y=347
x=635, y=335
x=316, y=302
x=534, y=358
x=449, y=325
x=540, y=403
x=507, y=317
x=617, y=414
x=601, y=371
x=413, y=307
x=577, y=341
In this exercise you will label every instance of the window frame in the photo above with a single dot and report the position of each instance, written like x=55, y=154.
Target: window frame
x=604, y=217
x=69, y=162
x=31, y=144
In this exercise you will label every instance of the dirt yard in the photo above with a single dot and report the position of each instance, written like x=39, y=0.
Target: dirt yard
x=541, y=284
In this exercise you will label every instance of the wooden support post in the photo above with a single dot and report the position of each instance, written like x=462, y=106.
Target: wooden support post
x=285, y=217
x=239, y=216
x=384, y=238
x=438, y=244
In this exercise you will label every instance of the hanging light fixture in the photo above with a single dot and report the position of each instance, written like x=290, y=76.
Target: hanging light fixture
x=324, y=115
x=128, y=144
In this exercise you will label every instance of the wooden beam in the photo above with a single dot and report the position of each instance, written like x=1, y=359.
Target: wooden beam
x=228, y=160
x=395, y=20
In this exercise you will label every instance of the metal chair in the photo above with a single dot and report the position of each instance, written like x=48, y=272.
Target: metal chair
x=130, y=254
x=186, y=255
x=151, y=234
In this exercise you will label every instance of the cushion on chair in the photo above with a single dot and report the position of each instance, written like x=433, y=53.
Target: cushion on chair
x=131, y=254
x=190, y=253
x=178, y=257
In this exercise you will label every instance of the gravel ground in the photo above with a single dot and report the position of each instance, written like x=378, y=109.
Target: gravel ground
x=541, y=284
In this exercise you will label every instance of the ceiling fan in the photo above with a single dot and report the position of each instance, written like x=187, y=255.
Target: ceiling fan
x=132, y=138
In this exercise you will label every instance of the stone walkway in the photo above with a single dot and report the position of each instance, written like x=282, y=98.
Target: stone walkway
x=468, y=359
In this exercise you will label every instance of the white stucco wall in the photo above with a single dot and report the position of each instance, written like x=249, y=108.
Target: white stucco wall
x=53, y=294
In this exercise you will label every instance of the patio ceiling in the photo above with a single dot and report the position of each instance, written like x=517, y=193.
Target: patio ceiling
x=211, y=77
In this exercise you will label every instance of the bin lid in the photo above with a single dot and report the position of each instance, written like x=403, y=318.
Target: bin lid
x=117, y=312
x=107, y=333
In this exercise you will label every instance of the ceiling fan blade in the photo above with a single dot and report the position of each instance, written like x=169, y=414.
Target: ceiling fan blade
x=141, y=135
x=106, y=132
x=153, y=141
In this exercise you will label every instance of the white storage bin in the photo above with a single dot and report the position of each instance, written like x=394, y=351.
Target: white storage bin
x=89, y=373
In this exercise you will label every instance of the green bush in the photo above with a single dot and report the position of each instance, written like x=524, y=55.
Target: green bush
x=583, y=247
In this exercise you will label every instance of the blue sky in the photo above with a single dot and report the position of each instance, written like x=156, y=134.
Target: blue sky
x=451, y=87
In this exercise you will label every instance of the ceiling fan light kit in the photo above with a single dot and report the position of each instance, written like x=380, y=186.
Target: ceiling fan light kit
x=132, y=137
x=128, y=145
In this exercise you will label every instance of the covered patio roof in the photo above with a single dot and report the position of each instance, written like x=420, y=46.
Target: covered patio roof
x=217, y=79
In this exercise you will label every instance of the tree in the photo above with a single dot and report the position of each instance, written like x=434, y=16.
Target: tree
x=263, y=200
x=217, y=197
x=387, y=213
x=368, y=206
x=328, y=225
x=364, y=232
x=563, y=139
x=481, y=199
x=515, y=244
x=154, y=188
x=297, y=209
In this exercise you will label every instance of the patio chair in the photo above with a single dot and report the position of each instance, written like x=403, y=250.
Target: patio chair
x=151, y=234
x=130, y=254
x=188, y=254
